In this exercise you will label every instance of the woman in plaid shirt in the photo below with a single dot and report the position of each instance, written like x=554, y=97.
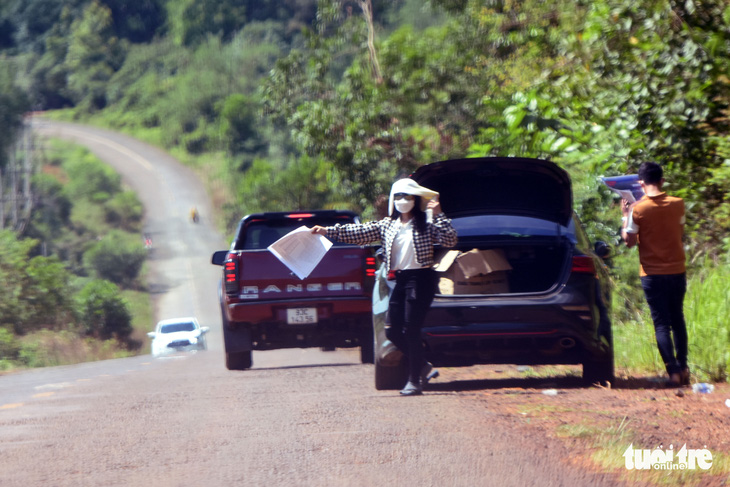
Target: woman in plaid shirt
x=416, y=223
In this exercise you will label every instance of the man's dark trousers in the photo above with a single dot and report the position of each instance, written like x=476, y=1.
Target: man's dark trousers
x=665, y=296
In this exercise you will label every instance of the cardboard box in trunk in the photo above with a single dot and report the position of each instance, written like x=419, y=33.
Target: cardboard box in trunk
x=473, y=272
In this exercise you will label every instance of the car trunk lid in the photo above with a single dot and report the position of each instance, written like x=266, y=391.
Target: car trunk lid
x=500, y=186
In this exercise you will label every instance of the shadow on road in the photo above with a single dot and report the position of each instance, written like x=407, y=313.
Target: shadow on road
x=523, y=384
x=306, y=366
x=561, y=382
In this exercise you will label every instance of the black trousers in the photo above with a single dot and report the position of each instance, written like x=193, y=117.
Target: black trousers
x=409, y=302
x=665, y=296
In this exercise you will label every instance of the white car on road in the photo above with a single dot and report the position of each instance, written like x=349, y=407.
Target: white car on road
x=178, y=334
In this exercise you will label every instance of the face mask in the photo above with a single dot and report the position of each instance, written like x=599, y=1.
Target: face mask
x=404, y=206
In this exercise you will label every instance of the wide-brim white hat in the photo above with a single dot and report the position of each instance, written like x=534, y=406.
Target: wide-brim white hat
x=409, y=186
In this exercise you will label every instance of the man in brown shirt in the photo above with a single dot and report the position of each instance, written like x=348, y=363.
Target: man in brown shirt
x=656, y=224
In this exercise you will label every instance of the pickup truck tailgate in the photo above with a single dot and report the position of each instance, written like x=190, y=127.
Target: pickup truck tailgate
x=342, y=272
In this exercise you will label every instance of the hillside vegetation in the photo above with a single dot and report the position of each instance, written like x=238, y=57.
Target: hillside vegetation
x=309, y=104
x=70, y=284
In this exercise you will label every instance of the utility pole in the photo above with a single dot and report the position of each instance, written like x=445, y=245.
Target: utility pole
x=14, y=187
x=16, y=198
x=27, y=147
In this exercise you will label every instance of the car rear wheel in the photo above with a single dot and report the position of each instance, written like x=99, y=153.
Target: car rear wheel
x=239, y=360
x=390, y=378
x=598, y=372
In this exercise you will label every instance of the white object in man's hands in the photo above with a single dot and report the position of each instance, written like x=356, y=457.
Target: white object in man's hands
x=628, y=187
x=300, y=250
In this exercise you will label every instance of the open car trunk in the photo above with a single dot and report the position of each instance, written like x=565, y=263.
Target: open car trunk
x=527, y=265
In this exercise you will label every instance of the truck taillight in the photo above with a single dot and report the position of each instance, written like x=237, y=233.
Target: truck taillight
x=230, y=274
x=583, y=264
x=370, y=266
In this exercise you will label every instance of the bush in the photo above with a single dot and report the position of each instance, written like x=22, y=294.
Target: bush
x=117, y=257
x=47, y=296
x=102, y=312
x=45, y=348
x=89, y=178
x=9, y=347
x=125, y=211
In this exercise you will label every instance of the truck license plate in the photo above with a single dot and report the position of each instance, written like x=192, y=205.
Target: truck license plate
x=301, y=316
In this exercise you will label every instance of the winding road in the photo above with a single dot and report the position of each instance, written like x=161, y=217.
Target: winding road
x=298, y=418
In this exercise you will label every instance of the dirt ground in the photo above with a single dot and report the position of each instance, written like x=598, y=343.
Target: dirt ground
x=599, y=424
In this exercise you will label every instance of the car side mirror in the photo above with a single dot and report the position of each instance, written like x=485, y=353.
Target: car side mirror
x=602, y=249
x=219, y=257
x=152, y=334
x=204, y=329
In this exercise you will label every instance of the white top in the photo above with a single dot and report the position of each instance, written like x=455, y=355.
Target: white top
x=404, y=251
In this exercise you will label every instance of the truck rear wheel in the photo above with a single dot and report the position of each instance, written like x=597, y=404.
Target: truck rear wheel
x=390, y=378
x=239, y=360
x=599, y=372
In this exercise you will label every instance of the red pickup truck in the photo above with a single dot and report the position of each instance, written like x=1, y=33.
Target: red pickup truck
x=265, y=306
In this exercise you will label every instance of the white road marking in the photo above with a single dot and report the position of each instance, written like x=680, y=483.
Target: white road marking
x=117, y=147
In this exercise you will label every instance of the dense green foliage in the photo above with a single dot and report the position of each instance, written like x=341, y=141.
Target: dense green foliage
x=80, y=247
x=323, y=103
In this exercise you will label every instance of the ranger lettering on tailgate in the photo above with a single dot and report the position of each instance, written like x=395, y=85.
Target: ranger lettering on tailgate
x=252, y=292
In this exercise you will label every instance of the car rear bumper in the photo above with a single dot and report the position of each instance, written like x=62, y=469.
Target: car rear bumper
x=260, y=312
x=502, y=343
x=175, y=349
x=551, y=330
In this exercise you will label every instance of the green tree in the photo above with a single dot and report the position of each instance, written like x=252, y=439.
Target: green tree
x=118, y=257
x=35, y=290
x=34, y=20
x=308, y=183
x=102, y=312
x=52, y=208
x=125, y=211
x=240, y=122
x=9, y=348
x=138, y=21
x=428, y=102
x=194, y=20
x=90, y=179
x=47, y=295
x=94, y=54
x=13, y=260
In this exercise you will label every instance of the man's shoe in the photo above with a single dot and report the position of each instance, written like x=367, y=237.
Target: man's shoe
x=411, y=389
x=428, y=373
x=684, y=377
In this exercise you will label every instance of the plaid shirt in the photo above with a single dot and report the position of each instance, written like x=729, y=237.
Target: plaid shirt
x=439, y=231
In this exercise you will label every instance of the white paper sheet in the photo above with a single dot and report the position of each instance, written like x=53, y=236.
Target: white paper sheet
x=300, y=250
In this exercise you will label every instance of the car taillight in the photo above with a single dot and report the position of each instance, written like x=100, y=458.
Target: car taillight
x=583, y=264
x=230, y=274
x=370, y=267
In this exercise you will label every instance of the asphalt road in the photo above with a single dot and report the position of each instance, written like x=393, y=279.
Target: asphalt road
x=298, y=418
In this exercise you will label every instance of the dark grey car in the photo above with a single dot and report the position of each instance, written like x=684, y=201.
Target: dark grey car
x=545, y=301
